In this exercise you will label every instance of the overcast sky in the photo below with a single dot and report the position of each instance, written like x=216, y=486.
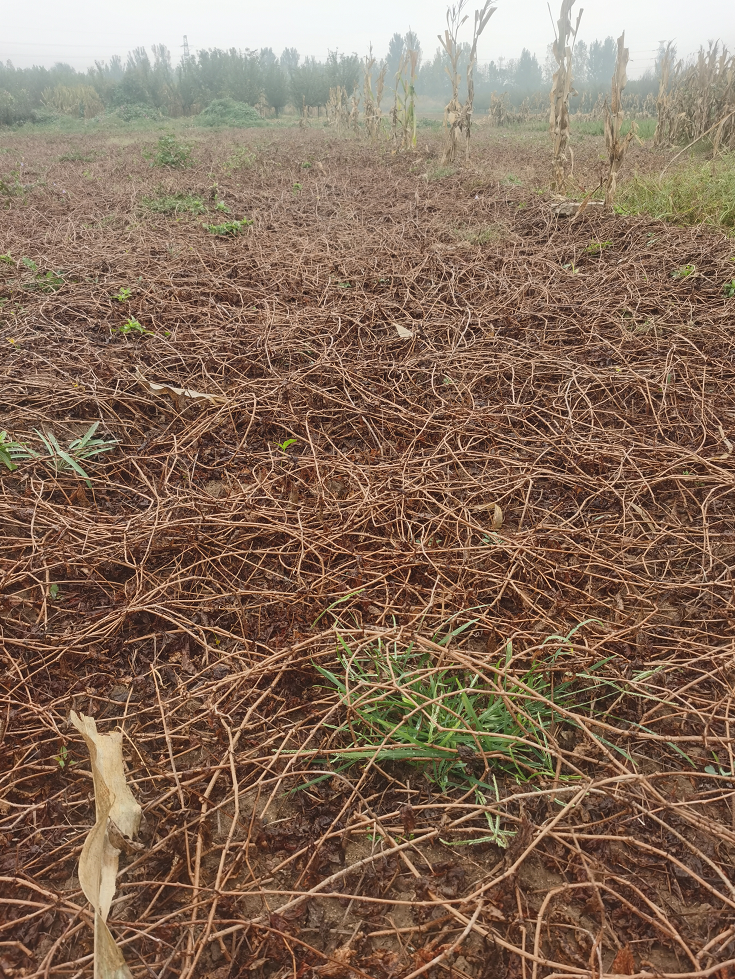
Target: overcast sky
x=78, y=31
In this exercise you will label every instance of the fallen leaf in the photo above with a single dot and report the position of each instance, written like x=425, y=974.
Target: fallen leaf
x=727, y=443
x=174, y=392
x=496, y=520
x=117, y=816
x=623, y=964
x=403, y=332
x=338, y=964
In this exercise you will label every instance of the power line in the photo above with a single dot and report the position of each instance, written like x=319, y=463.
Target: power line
x=58, y=44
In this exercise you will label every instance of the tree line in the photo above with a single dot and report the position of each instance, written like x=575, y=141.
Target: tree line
x=151, y=85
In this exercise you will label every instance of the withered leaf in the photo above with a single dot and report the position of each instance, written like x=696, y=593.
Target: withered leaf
x=117, y=821
x=173, y=392
x=623, y=963
x=408, y=816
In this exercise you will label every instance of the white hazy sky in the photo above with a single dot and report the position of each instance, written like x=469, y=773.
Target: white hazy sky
x=78, y=31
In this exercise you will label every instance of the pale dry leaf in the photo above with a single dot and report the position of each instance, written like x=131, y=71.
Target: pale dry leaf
x=256, y=965
x=727, y=444
x=497, y=518
x=403, y=333
x=117, y=817
x=174, y=392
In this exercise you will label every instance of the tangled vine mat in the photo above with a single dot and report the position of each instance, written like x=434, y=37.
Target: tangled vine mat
x=344, y=480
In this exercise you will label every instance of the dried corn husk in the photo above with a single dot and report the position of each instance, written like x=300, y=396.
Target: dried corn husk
x=117, y=820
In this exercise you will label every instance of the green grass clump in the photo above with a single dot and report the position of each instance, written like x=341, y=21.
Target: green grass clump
x=402, y=708
x=57, y=458
x=241, y=159
x=433, y=125
x=695, y=194
x=174, y=204
x=229, y=227
x=74, y=156
x=589, y=127
x=228, y=112
x=171, y=153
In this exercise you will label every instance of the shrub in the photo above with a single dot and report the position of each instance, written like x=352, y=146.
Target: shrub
x=134, y=111
x=17, y=109
x=228, y=112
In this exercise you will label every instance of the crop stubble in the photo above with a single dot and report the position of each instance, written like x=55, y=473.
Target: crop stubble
x=584, y=390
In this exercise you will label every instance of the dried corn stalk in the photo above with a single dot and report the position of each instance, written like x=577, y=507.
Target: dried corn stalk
x=663, y=102
x=338, y=112
x=561, y=90
x=404, y=106
x=354, y=115
x=117, y=821
x=499, y=111
x=616, y=145
x=453, y=116
x=372, y=102
x=458, y=117
x=481, y=21
x=697, y=98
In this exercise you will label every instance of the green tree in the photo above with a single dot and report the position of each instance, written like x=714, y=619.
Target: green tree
x=411, y=43
x=396, y=47
x=581, y=63
x=344, y=70
x=528, y=76
x=290, y=60
x=310, y=85
x=601, y=61
x=275, y=86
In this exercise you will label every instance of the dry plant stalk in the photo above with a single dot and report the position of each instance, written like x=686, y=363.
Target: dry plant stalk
x=617, y=146
x=453, y=116
x=372, y=102
x=379, y=89
x=481, y=21
x=354, y=115
x=697, y=98
x=338, y=112
x=663, y=102
x=458, y=117
x=561, y=90
x=404, y=104
x=499, y=112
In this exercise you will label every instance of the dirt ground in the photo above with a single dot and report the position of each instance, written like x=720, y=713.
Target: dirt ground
x=572, y=374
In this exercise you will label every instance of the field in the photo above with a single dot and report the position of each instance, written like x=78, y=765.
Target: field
x=406, y=568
